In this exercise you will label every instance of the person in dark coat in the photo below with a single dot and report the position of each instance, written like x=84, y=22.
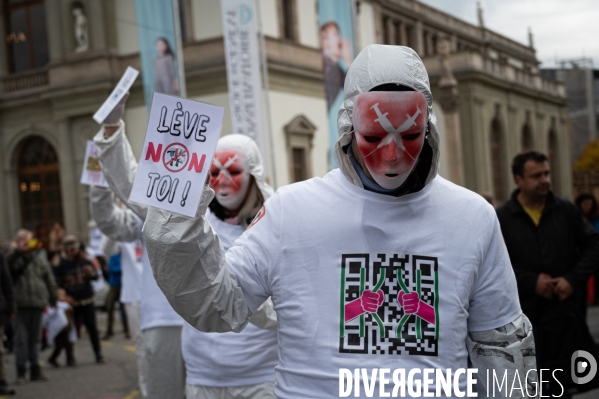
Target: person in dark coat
x=74, y=274
x=553, y=251
x=34, y=289
x=8, y=310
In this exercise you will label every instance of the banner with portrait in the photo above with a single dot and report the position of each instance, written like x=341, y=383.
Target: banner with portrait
x=158, y=47
x=336, y=23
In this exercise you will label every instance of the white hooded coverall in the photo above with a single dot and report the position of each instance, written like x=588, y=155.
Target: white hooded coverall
x=252, y=377
x=321, y=243
x=162, y=371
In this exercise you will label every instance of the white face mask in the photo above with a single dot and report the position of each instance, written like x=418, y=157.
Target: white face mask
x=229, y=177
x=390, y=153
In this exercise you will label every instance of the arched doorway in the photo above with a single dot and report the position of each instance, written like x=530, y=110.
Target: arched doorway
x=497, y=160
x=38, y=186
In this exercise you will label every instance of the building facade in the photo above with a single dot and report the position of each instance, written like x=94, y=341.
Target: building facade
x=503, y=104
x=50, y=86
x=581, y=83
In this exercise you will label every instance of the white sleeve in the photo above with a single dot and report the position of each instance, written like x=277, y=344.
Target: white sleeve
x=109, y=246
x=265, y=316
x=254, y=254
x=494, y=300
x=189, y=265
x=116, y=223
x=505, y=350
x=119, y=166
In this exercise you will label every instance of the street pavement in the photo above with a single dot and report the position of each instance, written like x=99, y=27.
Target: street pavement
x=117, y=379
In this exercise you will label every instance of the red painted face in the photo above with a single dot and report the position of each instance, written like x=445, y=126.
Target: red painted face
x=229, y=177
x=390, y=129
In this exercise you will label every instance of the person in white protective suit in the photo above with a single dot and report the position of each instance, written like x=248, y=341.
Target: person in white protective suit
x=380, y=264
x=162, y=372
x=111, y=222
x=217, y=365
x=233, y=365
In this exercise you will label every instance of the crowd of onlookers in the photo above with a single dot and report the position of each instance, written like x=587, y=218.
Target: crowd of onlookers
x=47, y=294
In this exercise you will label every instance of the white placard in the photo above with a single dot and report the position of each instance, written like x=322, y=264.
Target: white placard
x=92, y=171
x=117, y=94
x=177, y=153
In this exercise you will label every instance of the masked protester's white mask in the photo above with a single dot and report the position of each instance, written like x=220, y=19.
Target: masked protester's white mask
x=229, y=177
x=390, y=129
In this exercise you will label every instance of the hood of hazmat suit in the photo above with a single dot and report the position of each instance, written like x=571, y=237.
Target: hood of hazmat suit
x=377, y=65
x=248, y=147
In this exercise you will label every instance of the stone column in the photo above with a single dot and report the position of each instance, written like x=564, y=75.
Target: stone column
x=69, y=178
x=403, y=33
x=96, y=23
x=390, y=39
x=10, y=209
x=454, y=42
x=482, y=159
x=418, y=44
x=429, y=44
x=54, y=26
x=590, y=97
x=449, y=99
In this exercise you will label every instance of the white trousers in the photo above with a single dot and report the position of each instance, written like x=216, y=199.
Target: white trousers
x=133, y=318
x=258, y=391
x=163, y=363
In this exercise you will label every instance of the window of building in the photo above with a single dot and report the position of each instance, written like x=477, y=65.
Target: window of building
x=299, y=134
x=25, y=34
x=300, y=164
x=527, y=143
x=497, y=160
x=38, y=186
x=287, y=19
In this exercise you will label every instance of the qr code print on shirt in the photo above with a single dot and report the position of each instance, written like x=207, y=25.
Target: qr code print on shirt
x=391, y=329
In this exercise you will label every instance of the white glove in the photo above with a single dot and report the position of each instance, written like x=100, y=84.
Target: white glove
x=114, y=117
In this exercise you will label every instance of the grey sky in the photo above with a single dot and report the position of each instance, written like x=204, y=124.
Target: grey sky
x=561, y=28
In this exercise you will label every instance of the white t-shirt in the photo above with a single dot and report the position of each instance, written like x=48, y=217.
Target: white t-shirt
x=131, y=266
x=229, y=359
x=320, y=242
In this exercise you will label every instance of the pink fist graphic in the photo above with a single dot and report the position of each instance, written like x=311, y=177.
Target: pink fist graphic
x=372, y=300
x=412, y=304
x=369, y=302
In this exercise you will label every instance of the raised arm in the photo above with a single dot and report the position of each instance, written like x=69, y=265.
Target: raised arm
x=189, y=265
x=118, y=224
x=116, y=157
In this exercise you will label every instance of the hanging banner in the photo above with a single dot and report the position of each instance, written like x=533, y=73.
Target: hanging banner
x=92, y=172
x=177, y=153
x=158, y=43
x=243, y=69
x=336, y=24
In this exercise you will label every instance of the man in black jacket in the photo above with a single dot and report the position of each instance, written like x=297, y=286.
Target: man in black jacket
x=553, y=251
